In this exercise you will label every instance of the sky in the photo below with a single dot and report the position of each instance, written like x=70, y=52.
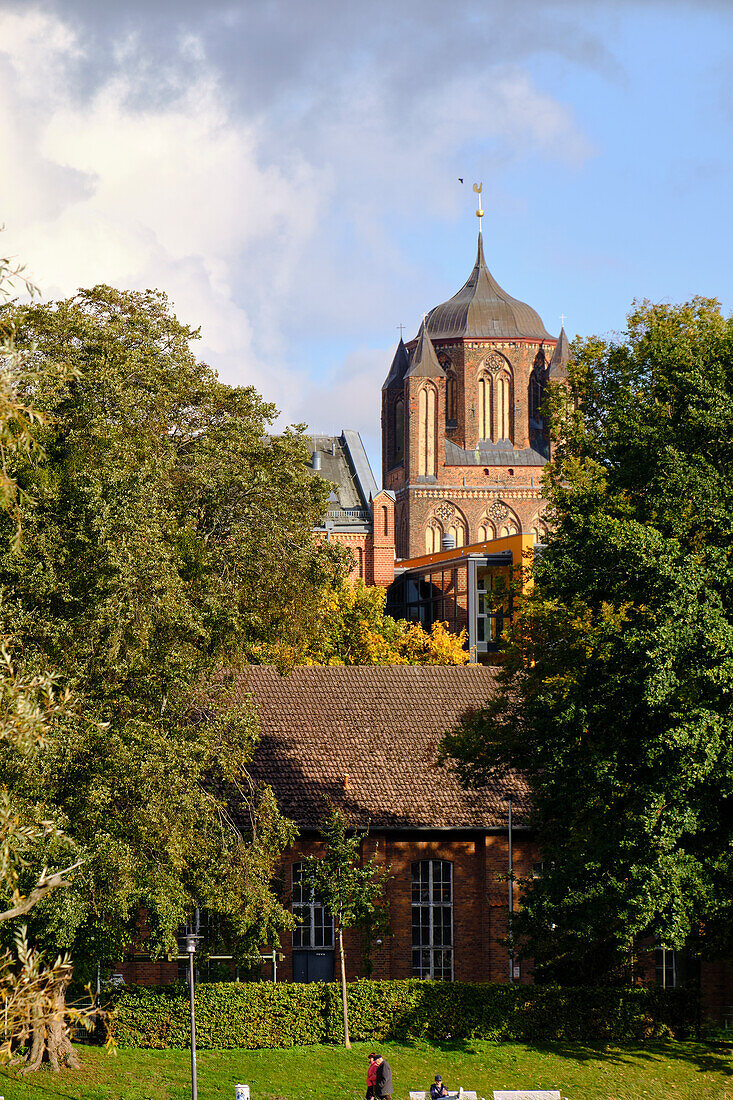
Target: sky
x=288, y=170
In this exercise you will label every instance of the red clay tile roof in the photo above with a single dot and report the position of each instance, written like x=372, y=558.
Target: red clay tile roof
x=379, y=726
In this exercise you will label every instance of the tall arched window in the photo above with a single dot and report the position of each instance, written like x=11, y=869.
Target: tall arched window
x=398, y=430
x=432, y=919
x=503, y=404
x=450, y=396
x=402, y=548
x=486, y=531
x=535, y=396
x=484, y=407
x=433, y=537
x=427, y=441
x=457, y=532
x=385, y=521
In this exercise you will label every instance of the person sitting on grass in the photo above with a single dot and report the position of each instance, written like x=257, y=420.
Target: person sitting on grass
x=438, y=1089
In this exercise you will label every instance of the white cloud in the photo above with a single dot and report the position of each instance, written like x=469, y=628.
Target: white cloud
x=99, y=190
x=262, y=226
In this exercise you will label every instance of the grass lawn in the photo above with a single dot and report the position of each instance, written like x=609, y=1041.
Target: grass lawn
x=660, y=1071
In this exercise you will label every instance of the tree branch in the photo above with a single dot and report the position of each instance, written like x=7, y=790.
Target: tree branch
x=45, y=884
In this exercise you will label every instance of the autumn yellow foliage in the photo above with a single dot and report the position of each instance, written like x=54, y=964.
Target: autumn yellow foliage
x=351, y=628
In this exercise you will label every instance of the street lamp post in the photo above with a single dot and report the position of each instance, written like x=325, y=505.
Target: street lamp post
x=191, y=945
x=511, y=894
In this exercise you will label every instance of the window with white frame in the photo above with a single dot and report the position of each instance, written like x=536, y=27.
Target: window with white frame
x=666, y=966
x=432, y=919
x=316, y=923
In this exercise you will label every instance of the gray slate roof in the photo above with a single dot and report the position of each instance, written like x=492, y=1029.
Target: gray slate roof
x=492, y=454
x=558, y=369
x=399, y=368
x=482, y=309
x=423, y=361
x=344, y=462
x=367, y=738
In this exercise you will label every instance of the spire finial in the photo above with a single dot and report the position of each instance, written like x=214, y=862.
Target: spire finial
x=478, y=188
x=563, y=319
x=401, y=327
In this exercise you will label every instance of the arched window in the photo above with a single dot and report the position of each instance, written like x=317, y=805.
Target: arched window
x=503, y=401
x=539, y=531
x=535, y=397
x=509, y=528
x=432, y=919
x=433, y=537
x=450, y=396
x=484, y=407
x=457, y=532
x=398, y=430
x=427, y=441
x=486, y=532
x=402, y=549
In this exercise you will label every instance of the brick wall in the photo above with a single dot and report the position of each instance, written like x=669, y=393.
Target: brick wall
x=480, y=902
x=373, y=552
x=469, y=489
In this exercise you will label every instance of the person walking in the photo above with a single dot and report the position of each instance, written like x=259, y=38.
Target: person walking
x=383, y=1083
x=371, y=1076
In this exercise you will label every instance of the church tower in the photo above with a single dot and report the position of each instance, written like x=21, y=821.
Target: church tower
x=463, y=441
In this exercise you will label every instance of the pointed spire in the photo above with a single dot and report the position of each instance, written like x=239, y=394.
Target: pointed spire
x=482, y=308
x=424, y=360
x=399, y=368
x=558, y=371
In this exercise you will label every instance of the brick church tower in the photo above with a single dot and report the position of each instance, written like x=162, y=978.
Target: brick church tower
x=463, y=442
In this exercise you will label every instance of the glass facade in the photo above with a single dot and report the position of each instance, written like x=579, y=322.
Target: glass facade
x=469, y=593
x=432, y=919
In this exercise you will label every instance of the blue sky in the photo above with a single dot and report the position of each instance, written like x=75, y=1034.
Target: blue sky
x=288, y=170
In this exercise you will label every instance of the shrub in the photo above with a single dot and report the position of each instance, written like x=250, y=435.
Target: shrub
x=261, y=1014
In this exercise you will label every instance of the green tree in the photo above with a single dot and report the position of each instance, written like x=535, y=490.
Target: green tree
x=617, y=691
x=29, y=705
x=166, y=535
x=351, y=889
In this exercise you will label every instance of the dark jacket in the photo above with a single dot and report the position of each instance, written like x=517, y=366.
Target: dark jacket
x=383, y=1086
x=437, y=1090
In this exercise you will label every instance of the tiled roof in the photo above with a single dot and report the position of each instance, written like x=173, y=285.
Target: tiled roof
x=367, y=738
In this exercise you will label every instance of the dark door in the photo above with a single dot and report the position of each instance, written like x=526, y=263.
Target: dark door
x=312, y=966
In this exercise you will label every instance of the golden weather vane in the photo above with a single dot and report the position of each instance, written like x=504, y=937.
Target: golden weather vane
x=478, y=188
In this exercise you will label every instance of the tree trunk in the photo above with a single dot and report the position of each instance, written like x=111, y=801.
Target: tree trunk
x=51, y=1040
x=347, y=1040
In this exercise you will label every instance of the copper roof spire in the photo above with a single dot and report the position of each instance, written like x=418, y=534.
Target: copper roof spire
x=483, y=310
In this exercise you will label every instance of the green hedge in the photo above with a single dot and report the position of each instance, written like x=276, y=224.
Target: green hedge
x=260, y=1014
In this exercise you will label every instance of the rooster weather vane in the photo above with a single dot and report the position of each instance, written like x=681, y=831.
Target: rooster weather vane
x=478, y=188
